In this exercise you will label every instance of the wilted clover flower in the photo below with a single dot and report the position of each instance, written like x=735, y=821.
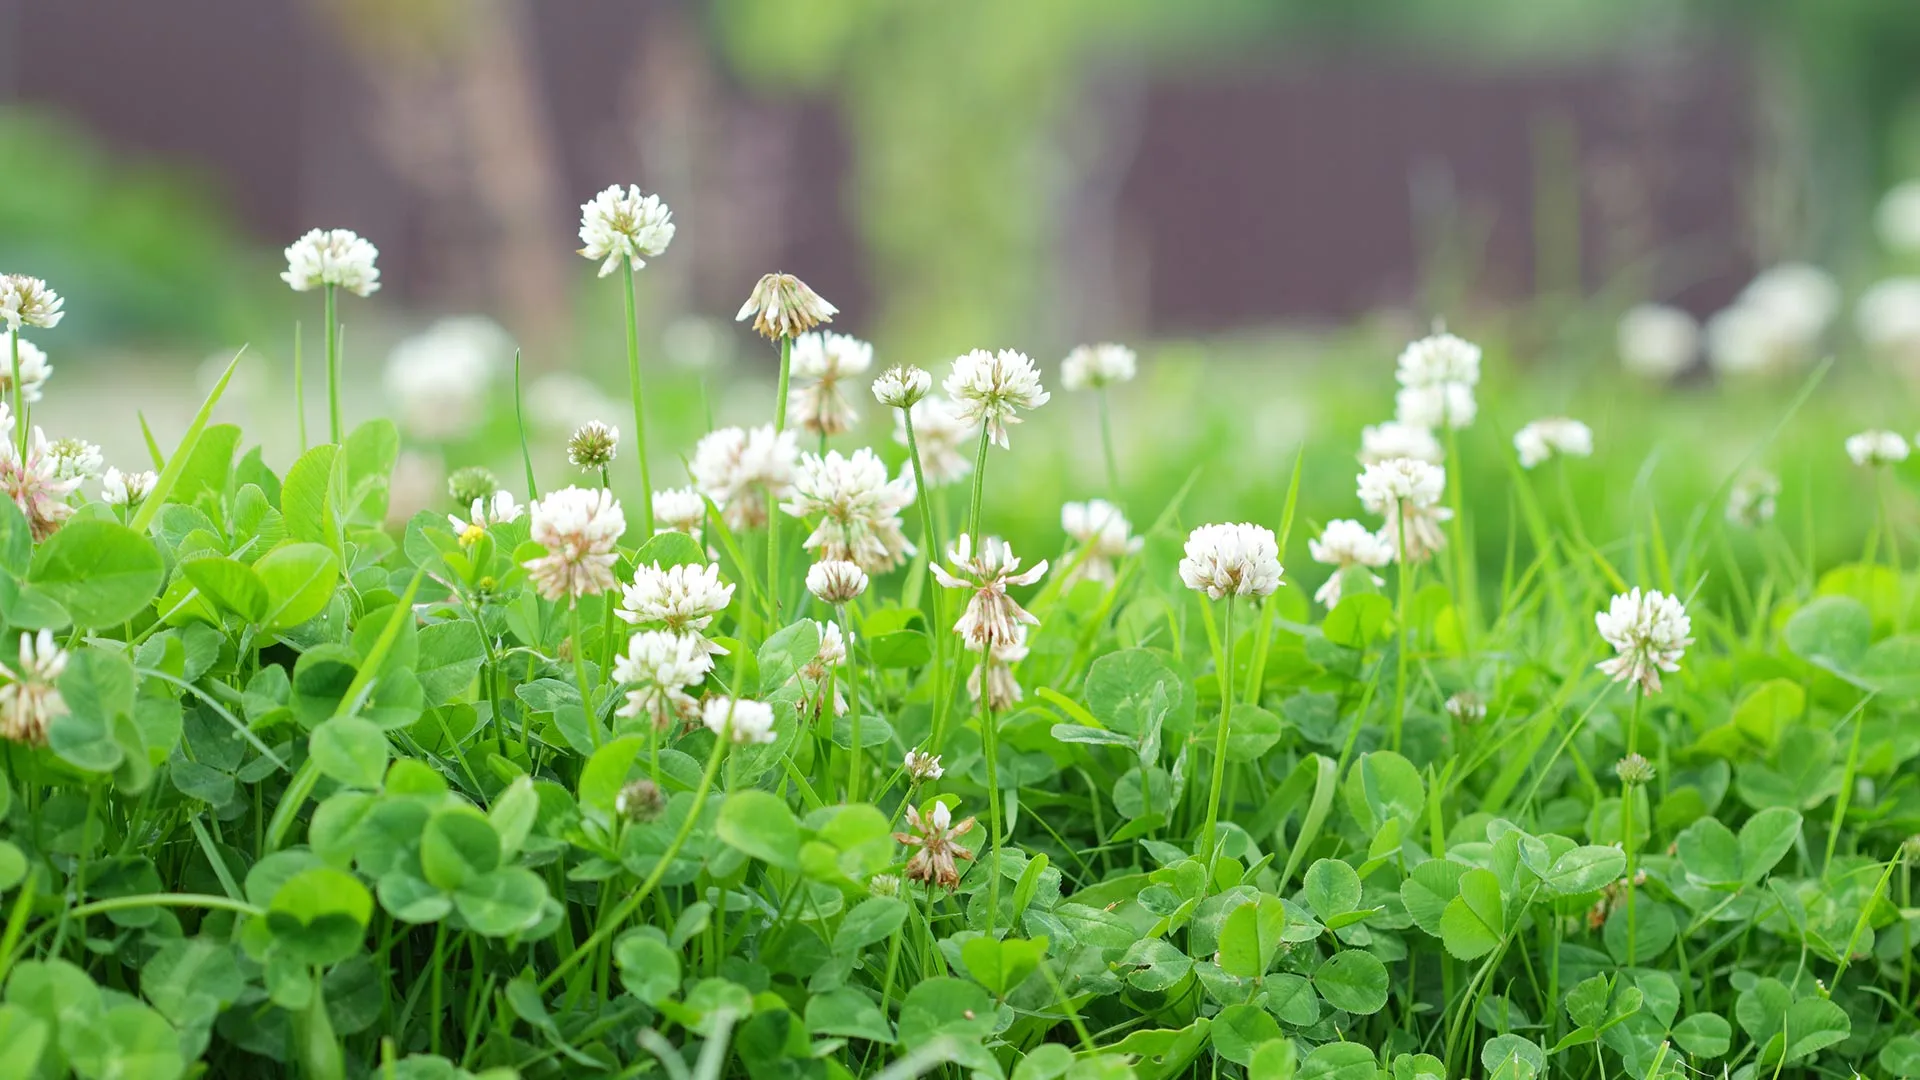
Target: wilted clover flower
x=1231, y=560
x=26, y=301
x=836, y=581
x=1393, y=439
x=989, y=388
x=900, y=386
x=1343, y=545
x=1092, y=367
x=992, y=617
x=858, y=507
x=942, y=435
x=1752, y=500
x=751, y=722
x=34, y=369
x=822, y=361
x=994, y=672
x=738, y=469
x=1542, y=439
x=332, y=257
x=593, y=445
x=471, y=483
x=1871, y=448
x=1407, y=493
x=1633, y=770
x=579, y=528
x=681, y=599
x=935, y=836
x=781, y=305
x=679, y=510
x=127, y=489
x=658, y=666
x=30, y=699
x=922, y=766
x=640, y=800
x=1099, y=527
x=621, y=223
x=1657, y=342
x=1649, y=633
x=33, y=482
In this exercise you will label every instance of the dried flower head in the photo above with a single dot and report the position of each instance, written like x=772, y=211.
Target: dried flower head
x=30, y=699
x=836, y=581
x=1393, y=439
x=679, y=510
x=988, y=388
x=935, y=835
x=34, y=482
x=1649, y=633
x=1103, y=531
x=992, y=617
x=34, y=369
x=1542, y=439
x=640, y=800
x=593, y=445
x=26, y=301
x=127, y=489
x=858, y=509
x=1343, y=545
x=781, y=305
x=332, y=257
x=738, y=469
x=1633, y=770
x=621, y=223
x=681, y=599
x=657, y=667
x=822, y=363
x=751, y=722
x=1753, y=498
x=471, y=483
x=1467, y=707
x=900, y=386
x=579, y=527
x=1092, y=367
x=1231, y=560
x=922, y=766
x=943, y=436
x=1657, y=342
x=1870, y=448
x=995, y=671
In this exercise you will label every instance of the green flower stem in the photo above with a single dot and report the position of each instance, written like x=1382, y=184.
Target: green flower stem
x=19, y=403
x=1106, y=447
x=580, y=671
x=333, y=366
x=1467, y=596
x=299, y=390
x=930, y=541
x=979, y=487
x=773, y=504
x=990, y=743
x=639, y=399
x=1400, y=620
x=1211, y=829
x=1627, y=836
x=855, y=758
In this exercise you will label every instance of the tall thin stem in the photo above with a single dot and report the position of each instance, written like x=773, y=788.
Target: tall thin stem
x=333, y=367
x=1106, y=447
x=1219, y=739
x=580, y=672
x=1400, y=619
x=990, y=743
x=979, y=487
x=639, y=399
x=855, y=758
x=1627, y=835
x=1885, y=479
x=299, y=389
x=773, y=507
x=19, y=405
x=1468, y=600
x=930, y=540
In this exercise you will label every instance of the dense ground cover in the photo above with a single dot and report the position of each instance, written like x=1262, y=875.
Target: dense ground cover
x=1508, y=750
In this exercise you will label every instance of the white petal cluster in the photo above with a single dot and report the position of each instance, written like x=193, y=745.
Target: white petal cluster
x=34, y=369
x=751, y=722
x=332, y=257
x=27, y=301
x=30, y=698
x=738, y=469
x=858, y=507
x=831, y=653
x=1657, y=341
x=658, y=666
x=1775, y=324
x=679, y=510
x=1649, y=633
x=902, y=386
x=1092, y=367
x=992, y=617
x=1443, y=405
x=1345, y=544
x=1099, y=527
x=944, y=437
x=922, y=766
x=496, y=509
x=33, y=481
x=1407, y=492
x=988, y=388
x=579, y=527
x=1437, y=375
x=1393, y=439
x=1877, y=448
x=836, y=581
x=1753, y=498
x=127, y=489
x=680, y=599
x=1887, y=316
x=621, y=223
x=1542, y=439
x=440, y=378
x=1898, y=217
x=781, y=305
x=1231, y=560
x=821, y=363
x=75, y=459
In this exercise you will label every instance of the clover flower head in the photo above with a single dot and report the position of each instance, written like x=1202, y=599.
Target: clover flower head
x=822, y=363
x=858, y=508
x=935, y=837
x=1393, y=439
x=470, y=483
x=1344, y=544
x=75, y=459
x=991, y=387
x=622, y=224
x=1442, y=405
x=1871, y=448
x=1542, y=439
x=1103, y=531
x=679, y=510
x=1657, y=341
x=127, y=489
x=34, y=368
x=332, y=257
x=781, y=306
x=658, y=666
x=30, y=698
x=439, y=379
x=922, y=766
x=836, y=581
x=27, y=301
x=738, y=469
x=579, y=527
x=34, y=481
x=1649, y=632
x=994, y=672
x=1093, y=367
x=593, y=445
x=1752, y=500
x=1231, y=560
x=991, y=617
x=682, y=599
x=900, y=386
x=1439, y=359
x=751, y=722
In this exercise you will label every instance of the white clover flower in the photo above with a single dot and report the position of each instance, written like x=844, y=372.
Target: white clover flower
x=995, y=670
x=75, y=459
x=859, y=509
x=1092, y=367
x=34, y=369
x=781, y=305
x=1407, y=493
x=332, y=257
x=987, y=388
x=593, y=445
x=1098, y=526
x=1657, y=341
x=26, y=301
x=1649, y=633
x=1752, y=500
x=831, y=653
x=496, y=509
x=1776, y=323
x=30, y=699
x=943, y=436
x=439, y=379
x=1888, y=318
x=1345, y=544
x=922, y=766
x=620, y=223
x=1466, y=707
x=682, y=599
x=34, y=482
x=738, y=469
x=579, y=527
x=1393, y=439
x=679, y=510
x=1439, y=360
x=659, y=665
x=901, y=386
x=127, y=489
x=992, y=617
x=821, y=362
x=836, y=581
x=1801, y=295
x=751, y=722
x=1898, y=217
x=1542, y=439
x=1449, y=405
x=1877, y=448
x=1231, y=560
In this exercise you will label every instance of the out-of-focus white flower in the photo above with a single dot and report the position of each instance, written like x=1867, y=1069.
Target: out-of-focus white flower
x=1898, y=217
x=1440, y=359
x=995, y=672
x=496, y=509
x=621, y=223
x=1888, y=318
x=127, y=489
x=682, y=599
x=922, y=766
x=1753, y=498
x=439, y=379
x=901, y=386
x=30, y=699
x=34, y=369
x=419, y=476
x=696, y=343
x=992, y=617
x=26, y=301
x=1345, y=544
x=579, y=527
x=831, y=653
x=1444, y=405
x=332, y=257
x=75, y=459
x=1776, y=323
x=858, y=507
x=659, y=665
x=1542, y=439
x=1466, y=707
x=1393, y=439
x=1877, y=448
x=1649, y=633
x=943, y=436
x=563, y=400
x=1407, y=493
x=821, y=361
x=593, y=445
x=1099, y=527
x=1658, y=341
x=836, y=581
x=1091, y=367
x=988, y=388
x=1231, y=560
x=751, y=722
x=781, y=305
x=679, y=510
x=33, y=482
x=738, y=469
x=1801, y=295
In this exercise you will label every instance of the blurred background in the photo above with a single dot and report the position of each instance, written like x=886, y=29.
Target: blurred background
x=1269, y=187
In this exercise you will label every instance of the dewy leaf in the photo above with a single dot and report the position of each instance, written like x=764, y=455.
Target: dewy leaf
x=1475, y=921
x=101, y=572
